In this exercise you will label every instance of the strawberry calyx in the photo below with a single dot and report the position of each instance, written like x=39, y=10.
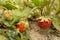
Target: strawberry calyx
x=43, y=18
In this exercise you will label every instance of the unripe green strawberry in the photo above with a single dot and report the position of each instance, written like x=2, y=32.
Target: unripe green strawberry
x=44, y=22
x=8, y=14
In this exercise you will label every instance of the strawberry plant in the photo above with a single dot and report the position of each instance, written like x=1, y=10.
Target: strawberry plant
x=49, y=10
x=14, y=16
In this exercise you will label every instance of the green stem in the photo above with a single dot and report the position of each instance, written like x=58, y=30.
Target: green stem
x=41, y=12
x=33, y=9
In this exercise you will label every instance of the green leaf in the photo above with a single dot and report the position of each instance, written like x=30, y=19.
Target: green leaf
x=2, y=37
x=3, y=1
x=17, y=14
x=7, y=23
x=40, y=3
x=56, y=22
x=21, y=3
x=26, y=36
x=26, y=12
x=8, y=4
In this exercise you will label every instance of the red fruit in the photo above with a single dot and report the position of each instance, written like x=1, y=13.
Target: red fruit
x=44, y=23
x=21, y=27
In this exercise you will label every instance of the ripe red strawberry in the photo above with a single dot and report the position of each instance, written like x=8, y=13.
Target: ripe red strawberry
x=21, y=27
x=44, y=22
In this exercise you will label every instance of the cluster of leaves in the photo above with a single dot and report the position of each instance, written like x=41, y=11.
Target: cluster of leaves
x=27, y=9
x=49, y=8
x=8, y=22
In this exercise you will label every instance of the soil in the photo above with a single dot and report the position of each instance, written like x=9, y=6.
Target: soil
x=37, y=33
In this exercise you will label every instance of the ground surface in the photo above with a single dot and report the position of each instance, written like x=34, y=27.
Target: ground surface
x=37, y=33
